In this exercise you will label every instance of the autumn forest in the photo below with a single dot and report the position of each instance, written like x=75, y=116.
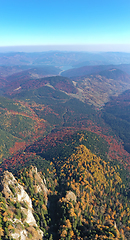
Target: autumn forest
x=68, y=134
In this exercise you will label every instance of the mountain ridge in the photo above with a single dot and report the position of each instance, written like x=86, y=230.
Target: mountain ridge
x=86, y=70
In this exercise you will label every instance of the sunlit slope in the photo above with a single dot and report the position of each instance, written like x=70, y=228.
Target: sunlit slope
x=97, y=89
x=100, y=209
x=97, y=186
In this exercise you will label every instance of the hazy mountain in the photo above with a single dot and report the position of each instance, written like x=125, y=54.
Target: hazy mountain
x=56, y=58
x=85, y=70
x=63, y=58
x=9, y=70
x=15, y=71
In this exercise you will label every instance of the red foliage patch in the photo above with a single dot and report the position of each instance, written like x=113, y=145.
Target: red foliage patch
x=17, y=146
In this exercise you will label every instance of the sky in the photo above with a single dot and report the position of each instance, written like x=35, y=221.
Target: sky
x=90, y=25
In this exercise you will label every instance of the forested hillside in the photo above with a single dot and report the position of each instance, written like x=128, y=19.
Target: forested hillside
x=86, y=197
x=95, y=69
x=64, y=148
x=117, y=114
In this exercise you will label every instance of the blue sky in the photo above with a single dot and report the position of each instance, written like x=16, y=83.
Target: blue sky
x=97, y=24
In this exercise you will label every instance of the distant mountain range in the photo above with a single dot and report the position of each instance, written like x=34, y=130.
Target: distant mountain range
x=60, y=58
x=34, y=71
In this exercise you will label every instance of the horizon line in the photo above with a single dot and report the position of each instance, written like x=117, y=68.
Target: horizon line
x=68, y=47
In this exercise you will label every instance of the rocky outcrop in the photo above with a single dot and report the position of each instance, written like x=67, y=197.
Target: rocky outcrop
x=19, y=205
x=70, y=196
x=40, y=184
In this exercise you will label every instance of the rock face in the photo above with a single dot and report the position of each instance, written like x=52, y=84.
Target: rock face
x=20, y=208
x=70, y=196
x=40, y=186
